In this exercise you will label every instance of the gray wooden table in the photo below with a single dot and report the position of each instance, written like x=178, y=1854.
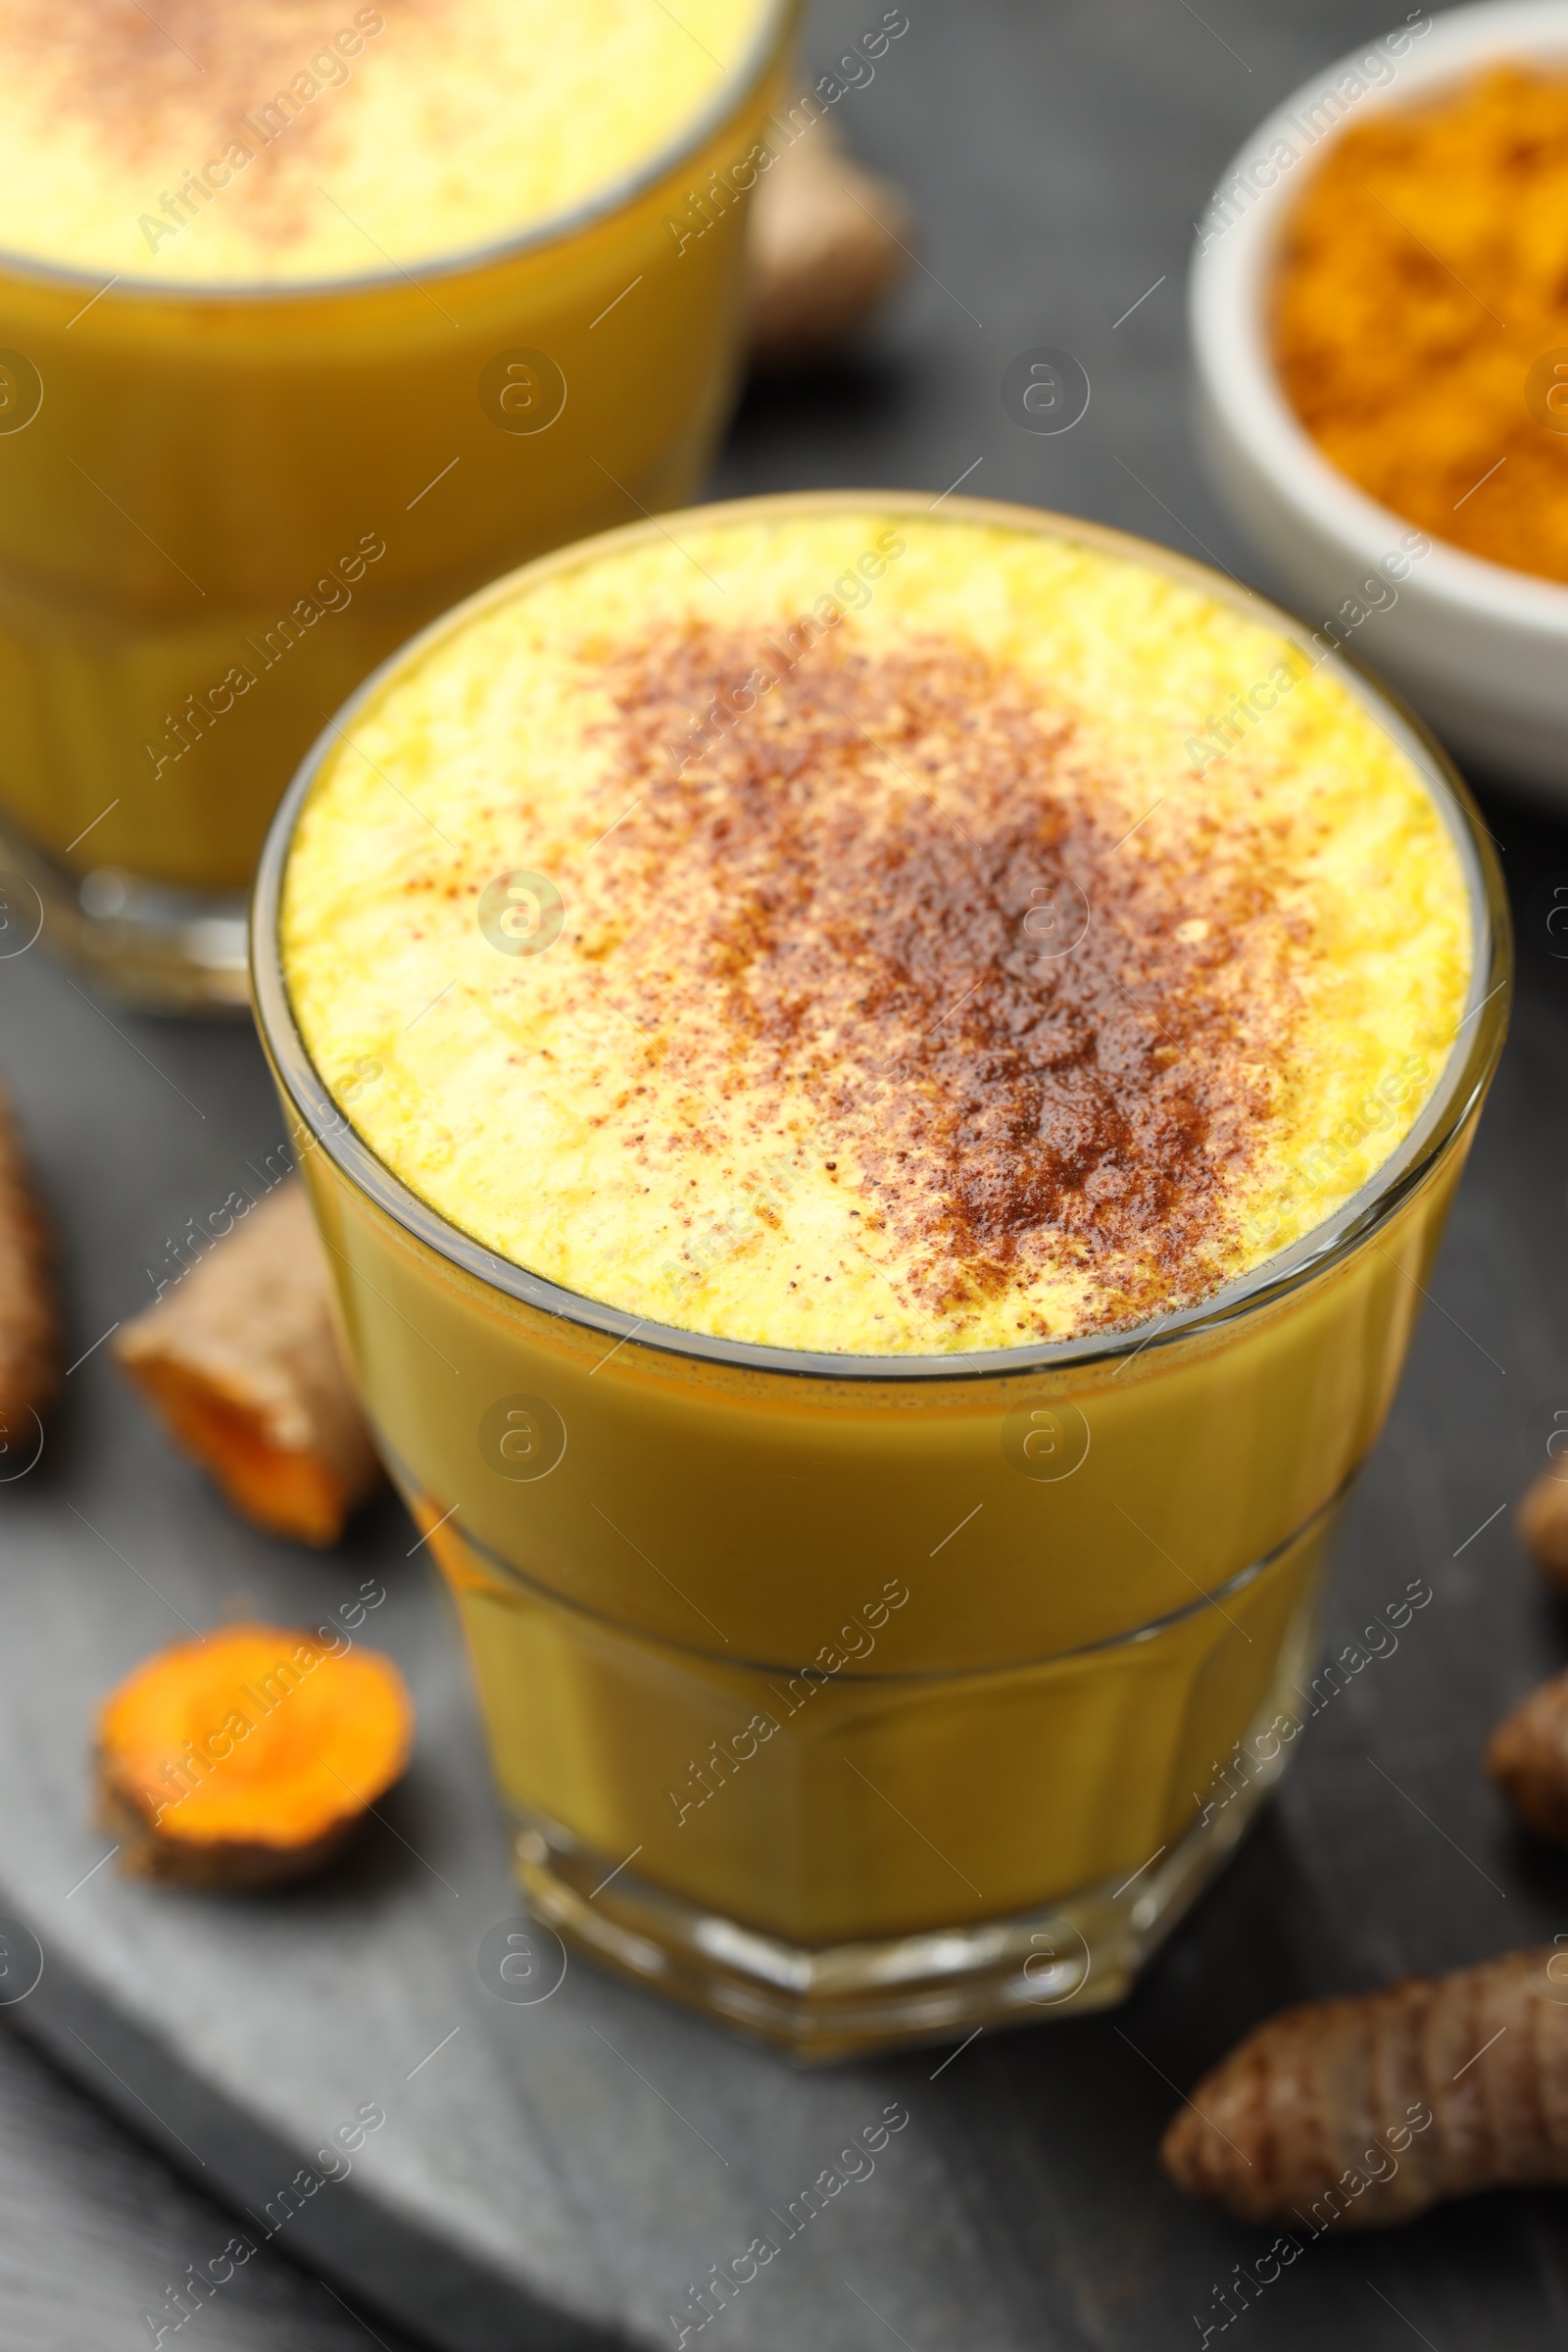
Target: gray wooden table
x=1058, y=156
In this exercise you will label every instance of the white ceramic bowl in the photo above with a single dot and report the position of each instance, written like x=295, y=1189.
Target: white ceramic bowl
x=1482, y=651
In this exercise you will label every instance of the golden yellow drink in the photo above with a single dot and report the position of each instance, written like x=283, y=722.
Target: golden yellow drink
x=880, y=1193
x=322, y=321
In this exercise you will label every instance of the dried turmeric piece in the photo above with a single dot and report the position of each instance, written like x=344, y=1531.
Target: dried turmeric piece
x=1360, y=2113
x=1527, y=1757
x=241, y=1362
x=29, y=1323
x=827, y=244
x=1543, y=1527
x=248, y=1758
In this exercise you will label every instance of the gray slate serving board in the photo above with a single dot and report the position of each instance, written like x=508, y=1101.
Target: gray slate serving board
x=558, y=2174
x=530, y=2188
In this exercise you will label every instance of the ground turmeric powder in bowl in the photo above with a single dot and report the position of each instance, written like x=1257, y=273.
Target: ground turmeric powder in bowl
x=1420, y=307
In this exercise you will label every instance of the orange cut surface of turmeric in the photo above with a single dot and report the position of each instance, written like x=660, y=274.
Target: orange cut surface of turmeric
x=250, y=1754
x=1422, y=276
x=242, y=1363
x=284, y=1489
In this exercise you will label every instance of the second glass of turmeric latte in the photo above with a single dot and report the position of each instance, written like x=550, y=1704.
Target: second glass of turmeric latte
x=314, y=317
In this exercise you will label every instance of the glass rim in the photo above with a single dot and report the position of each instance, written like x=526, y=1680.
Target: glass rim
x=554, y=229
x=1443, y=1116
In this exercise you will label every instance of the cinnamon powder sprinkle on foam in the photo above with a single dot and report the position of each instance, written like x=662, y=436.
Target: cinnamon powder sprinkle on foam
x=1005, y=1087
x=910, y=993
x=205, y=142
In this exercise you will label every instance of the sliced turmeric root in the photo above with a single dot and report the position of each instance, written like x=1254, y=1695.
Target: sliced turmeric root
x=29, y=1327
x=248, y=1758
x=241, y=1362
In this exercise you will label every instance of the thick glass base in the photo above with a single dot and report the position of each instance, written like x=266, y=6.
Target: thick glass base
x=1082, y=1951
x=147, y=943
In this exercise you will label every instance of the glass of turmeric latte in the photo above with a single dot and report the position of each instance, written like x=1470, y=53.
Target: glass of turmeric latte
x=316, y=317
x=877, y=1215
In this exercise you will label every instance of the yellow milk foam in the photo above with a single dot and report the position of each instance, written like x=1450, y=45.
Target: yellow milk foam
x=279, y=141
x=561, y=1107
